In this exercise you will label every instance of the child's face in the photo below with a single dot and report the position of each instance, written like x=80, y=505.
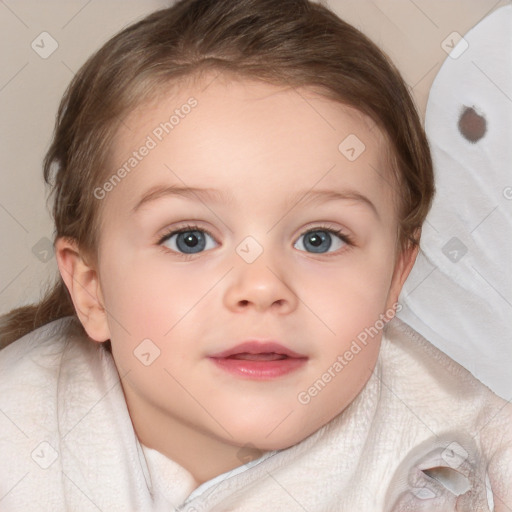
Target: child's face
x=267, y=152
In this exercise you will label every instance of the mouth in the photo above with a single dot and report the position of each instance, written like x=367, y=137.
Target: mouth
x=258, y=348
x=245, y=356
x=259, y=361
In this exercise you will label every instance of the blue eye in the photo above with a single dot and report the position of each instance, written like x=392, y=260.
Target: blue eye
x=193, y=240
x=320, y=240
x=189, y=240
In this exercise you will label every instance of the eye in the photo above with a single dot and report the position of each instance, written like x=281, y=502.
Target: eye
x=320, y=240
x=187, y=240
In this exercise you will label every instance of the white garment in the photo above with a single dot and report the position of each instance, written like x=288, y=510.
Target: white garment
x=459, y=292
x=67, y=442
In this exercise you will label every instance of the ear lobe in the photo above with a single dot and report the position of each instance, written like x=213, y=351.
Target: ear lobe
x=83, y=284
x=403, y=266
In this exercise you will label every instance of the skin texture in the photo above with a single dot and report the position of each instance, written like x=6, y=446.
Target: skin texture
x=264, y=147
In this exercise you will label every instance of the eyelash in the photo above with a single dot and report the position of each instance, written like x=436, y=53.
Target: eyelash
x=347, y=239
x=174, y=231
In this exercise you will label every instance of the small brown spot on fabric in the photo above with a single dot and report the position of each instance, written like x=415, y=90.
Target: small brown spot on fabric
x=472, y=126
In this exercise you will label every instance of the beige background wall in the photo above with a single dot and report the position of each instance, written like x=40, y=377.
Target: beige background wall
x=410, y=31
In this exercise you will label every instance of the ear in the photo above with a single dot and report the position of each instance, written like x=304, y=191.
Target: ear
x=83, y=284
x=403, y=266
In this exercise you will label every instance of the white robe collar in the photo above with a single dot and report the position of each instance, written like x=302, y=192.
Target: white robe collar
x=67, y=441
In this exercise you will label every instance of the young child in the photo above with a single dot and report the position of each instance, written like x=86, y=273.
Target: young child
x=239, y=188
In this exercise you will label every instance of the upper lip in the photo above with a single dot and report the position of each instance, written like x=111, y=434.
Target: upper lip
x=258, y=347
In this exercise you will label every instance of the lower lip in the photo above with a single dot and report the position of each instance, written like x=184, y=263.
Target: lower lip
x=261, y=370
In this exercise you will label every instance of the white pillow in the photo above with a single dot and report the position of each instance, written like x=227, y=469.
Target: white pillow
x=459, y=294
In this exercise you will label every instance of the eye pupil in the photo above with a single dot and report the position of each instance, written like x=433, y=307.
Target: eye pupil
x=318, y=239
x=315, y=240
x=190, y=240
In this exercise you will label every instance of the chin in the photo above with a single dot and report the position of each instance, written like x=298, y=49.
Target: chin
x=263, y=442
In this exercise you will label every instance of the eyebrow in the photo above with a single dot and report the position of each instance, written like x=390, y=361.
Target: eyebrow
x=216, y=196
x=320, y=196
x=203, y=194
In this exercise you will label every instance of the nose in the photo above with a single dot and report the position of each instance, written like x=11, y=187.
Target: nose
x=261, y=285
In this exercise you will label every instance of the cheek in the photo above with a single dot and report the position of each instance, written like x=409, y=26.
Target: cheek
x=148, y=296
x=350, y=293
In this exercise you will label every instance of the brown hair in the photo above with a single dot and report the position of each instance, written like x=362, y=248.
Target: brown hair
x=290, y=42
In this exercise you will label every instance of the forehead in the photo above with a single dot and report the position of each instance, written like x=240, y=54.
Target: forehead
x=246, y=135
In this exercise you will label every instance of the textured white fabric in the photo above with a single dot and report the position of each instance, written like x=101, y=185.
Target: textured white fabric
x=67, y=442
x=459, y=293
